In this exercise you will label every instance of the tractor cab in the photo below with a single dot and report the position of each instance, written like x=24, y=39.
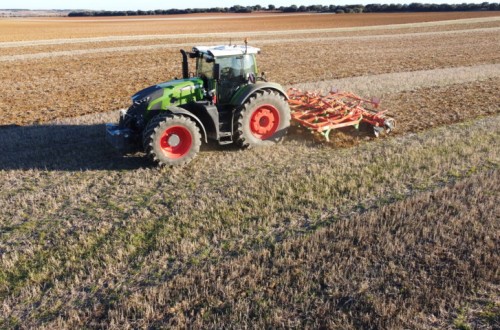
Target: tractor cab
x=225, y=69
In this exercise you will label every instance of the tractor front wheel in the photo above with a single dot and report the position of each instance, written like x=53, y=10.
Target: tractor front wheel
x=171, y=140
x=263, y=120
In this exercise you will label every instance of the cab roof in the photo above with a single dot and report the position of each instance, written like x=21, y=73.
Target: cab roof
x=226, y=50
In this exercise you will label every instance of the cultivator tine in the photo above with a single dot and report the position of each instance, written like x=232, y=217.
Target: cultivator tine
x=323, y=113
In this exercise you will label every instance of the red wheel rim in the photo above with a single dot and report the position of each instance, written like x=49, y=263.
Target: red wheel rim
x=176, y=142
x=264, y=121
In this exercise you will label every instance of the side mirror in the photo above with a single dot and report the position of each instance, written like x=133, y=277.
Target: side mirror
x=250, y=78
x=217, y=71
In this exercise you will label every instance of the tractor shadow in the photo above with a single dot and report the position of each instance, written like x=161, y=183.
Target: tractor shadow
x=62, y=148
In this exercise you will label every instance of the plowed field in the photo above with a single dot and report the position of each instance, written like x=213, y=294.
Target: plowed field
x=390, y=233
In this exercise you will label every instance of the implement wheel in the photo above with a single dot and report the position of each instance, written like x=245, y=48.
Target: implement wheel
x=171, y=140
x=263, y=120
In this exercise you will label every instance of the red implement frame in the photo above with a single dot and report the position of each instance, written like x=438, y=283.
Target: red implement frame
x=322, y=113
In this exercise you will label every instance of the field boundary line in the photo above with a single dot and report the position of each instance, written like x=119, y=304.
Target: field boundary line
x=79, y=52
x=13, y=44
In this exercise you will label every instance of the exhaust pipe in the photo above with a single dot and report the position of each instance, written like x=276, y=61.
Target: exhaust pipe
x=185, y=68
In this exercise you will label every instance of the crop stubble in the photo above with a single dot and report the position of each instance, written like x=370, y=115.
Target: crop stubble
x=67, y=229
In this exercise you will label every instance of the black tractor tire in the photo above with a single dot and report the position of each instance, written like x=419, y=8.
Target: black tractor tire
x=171, y=140
x=263, y=120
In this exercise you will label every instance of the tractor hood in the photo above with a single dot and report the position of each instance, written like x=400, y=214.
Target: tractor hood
x=150, y=92
x=174, y=92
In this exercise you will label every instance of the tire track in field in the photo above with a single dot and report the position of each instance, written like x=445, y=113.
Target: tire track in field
x=225, y=35
x=80, y=52
x=406, y=81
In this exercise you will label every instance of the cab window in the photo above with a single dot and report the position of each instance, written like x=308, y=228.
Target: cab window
x=204, y=68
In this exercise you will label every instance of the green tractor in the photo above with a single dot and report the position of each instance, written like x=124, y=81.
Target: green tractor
x=224, y=100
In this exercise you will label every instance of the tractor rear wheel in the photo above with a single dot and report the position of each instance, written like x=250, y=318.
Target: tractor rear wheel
x=263, y=120
x=171, y=140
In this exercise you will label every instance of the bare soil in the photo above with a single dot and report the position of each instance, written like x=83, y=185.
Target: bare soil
x=30, y=29
x=48, y=46
x=78, y=84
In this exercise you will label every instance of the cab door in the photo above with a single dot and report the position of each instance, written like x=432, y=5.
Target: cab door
x=234, y=74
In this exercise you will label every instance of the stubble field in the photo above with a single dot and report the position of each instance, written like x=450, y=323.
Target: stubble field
x=397, y=232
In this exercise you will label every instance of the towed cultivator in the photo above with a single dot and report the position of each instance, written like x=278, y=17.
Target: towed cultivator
x=323, y=113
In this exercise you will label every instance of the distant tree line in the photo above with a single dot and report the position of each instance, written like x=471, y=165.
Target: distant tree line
x=372, y=8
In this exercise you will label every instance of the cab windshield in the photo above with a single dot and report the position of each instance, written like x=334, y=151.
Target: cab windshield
x=236, y=67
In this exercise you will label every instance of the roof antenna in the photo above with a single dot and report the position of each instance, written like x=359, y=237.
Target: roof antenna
x=246, y=45
x=230, y=41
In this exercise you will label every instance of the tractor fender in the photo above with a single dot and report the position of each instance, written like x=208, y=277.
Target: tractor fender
x=183, y=112
x=243, y=94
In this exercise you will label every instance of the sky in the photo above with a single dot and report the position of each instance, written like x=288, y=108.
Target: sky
x=159, y=4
